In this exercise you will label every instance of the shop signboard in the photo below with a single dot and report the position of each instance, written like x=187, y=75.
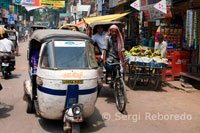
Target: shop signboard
x=105, y=8
x=100, y=5
x=74, y=9
x=31, y=18
x=81, y=8
x=11, y=18
x=20, y=17
x=11, y=9
x=63, y=15
x=154, y=14
x=52, y=3
x=105, y=11
x=136, y=5
x=28, y=2
x=17, y=2
x=149, y=4
x=161, y=6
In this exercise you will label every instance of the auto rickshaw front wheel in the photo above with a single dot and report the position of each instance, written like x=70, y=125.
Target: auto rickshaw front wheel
x=75, y=128
x=30, y=106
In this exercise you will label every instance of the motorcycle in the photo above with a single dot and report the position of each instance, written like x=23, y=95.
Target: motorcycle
x=7, y=66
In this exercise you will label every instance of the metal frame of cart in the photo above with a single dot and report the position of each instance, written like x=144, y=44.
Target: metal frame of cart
x=145, y=73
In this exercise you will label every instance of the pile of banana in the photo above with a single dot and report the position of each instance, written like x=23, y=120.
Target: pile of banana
x=157, y=54
x=148, y=53
x=137, y=51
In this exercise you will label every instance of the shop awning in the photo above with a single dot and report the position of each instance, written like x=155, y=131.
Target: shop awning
x=105, y=18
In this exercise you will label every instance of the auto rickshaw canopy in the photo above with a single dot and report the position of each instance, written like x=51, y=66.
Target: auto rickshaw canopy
x=48, y=34
x=69, y=26
x=111, y=17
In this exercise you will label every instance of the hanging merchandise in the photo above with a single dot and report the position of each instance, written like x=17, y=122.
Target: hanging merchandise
x=172, y=34
x=192, y=28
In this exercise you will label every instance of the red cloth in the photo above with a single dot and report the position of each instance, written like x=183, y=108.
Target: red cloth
x=119, y=41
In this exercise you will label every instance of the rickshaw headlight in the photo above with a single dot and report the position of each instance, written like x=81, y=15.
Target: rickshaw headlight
x=76, y=109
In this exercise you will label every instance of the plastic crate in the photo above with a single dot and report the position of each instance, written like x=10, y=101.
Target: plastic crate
x=170, y=54
x=168, y=74
x=181, y=61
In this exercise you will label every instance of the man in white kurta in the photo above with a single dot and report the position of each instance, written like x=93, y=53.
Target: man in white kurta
x=161, y=46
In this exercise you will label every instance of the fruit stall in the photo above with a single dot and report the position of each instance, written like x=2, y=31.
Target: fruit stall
x=145, y=67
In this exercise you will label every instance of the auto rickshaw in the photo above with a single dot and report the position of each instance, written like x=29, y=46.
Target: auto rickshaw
x=63, y=74
x=69, y=27
x=36, y=27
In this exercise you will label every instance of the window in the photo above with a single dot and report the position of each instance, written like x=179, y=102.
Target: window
x=68, y=55
x=71, y=57
x=47, y=60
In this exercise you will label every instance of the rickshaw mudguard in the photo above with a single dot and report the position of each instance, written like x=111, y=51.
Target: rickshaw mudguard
x=27, y=90
x=72, y=96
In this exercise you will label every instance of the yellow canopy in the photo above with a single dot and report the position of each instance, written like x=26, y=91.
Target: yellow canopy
x=104, y=18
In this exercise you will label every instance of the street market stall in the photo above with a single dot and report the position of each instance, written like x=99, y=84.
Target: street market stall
x=145, y=67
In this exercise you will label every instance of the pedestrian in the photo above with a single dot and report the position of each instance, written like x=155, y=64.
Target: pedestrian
x=26, y=35
x=16, y=40
x=161, y=46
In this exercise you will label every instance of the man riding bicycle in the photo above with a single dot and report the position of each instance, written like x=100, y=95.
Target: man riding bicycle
x=113, y=48
x=113, y=57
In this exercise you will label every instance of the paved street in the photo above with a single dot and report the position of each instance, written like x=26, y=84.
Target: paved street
x=165, y=111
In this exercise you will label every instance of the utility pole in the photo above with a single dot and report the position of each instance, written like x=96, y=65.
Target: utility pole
x=75, y=9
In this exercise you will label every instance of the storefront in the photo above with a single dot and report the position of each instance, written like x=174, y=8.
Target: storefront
x=191, y=37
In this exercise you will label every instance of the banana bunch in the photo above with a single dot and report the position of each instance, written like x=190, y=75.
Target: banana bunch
x=157, y=54
x=127, y=53
x=136, y=51
x=148, y=53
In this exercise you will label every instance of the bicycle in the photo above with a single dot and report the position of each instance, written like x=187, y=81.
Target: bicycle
x=119, y=87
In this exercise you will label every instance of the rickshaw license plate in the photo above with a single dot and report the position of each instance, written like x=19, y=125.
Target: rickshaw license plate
x=72, y=81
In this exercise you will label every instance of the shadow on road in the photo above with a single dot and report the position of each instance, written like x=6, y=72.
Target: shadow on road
x=12, y=76
x=5, y=109
x=144, y=87
x=108, y=93
x=92, y=124
x=53, y=126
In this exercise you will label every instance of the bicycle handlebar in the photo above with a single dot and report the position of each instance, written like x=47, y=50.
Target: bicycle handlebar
x=113, y=64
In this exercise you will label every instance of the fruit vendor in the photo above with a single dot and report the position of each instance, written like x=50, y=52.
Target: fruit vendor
x=161, y=46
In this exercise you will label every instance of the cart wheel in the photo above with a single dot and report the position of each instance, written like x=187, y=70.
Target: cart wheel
x=134, y=82
x=158, y=85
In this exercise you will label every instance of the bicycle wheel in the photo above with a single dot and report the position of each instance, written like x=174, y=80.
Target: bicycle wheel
x=120, y=95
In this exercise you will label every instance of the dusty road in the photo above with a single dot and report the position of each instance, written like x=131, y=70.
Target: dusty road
x=149, y=111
